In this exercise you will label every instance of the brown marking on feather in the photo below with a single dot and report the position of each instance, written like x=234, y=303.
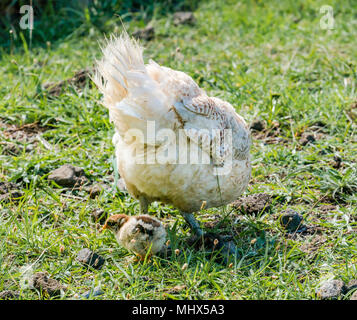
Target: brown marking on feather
x=178, y=116
x=149, y=220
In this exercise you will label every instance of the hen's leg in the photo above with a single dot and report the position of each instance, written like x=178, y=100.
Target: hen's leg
x=227, y=248
x=144, y=204
x=193, y=223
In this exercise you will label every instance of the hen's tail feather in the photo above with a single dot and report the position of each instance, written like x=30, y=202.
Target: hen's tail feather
x=128, y=89
x=120, y=56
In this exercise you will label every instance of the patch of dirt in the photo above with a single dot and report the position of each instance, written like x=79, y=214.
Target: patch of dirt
x=306, y=138
x=43, y=283
x=314, y=245
x=268, y=135
x=336, y=163
x=24, y=133
x=253, y=204
x=68, y=176
x=184, y=17
x=9, y=191
x=79, y=80
x=327, y=208
x=10, y=149
x=95, y=190
x=147, y=33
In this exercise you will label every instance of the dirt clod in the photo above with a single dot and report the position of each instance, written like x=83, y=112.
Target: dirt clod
x=9, y=191
x=258, y=125
x=147, y=33
x=8, y=295
x=79, y=81
x=183, y=17
x=9, y=148
x=352, y=285
x=269, y=134
x=354, y=296
x=95, y=190
x=99, y=215
x=331, y=289
x=68, y=176
x=42, y=282
x=337, y=162
x=253, y=204
x=24, y=133
x=292, y=221
x=307, y=137
x=90, y=258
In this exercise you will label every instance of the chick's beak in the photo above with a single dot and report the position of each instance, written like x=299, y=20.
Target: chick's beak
x=104, y=227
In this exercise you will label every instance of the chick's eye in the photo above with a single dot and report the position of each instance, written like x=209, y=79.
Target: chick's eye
x=110, y=223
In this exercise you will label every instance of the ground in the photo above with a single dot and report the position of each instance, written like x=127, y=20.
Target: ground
x=287, y=75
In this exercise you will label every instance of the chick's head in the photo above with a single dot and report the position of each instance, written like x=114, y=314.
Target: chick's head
x=115, y=222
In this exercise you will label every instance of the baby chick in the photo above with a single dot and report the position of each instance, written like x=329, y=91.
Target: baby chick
x=138, y=234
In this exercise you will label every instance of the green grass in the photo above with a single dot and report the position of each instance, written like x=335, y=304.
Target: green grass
x=271, y=60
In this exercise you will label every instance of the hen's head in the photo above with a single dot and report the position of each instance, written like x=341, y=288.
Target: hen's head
x=115, y=222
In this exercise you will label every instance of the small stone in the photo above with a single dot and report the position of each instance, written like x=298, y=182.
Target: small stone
x=354, y=296
x=148, y=33
x=99, y=215
x=258, y=125
x=121, y=185
x=331, y=289
x=67, y=176
x=97, y=291
x=292, y=221
x=336, y=163
x=183, y=17
x=307, y=138
x=253, y=204
x=42, y=282
x=351, y=285
x=8, y=295
x=90, y=258
x=95, y=190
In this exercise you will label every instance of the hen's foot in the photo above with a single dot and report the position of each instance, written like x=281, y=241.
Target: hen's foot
x=215, y=245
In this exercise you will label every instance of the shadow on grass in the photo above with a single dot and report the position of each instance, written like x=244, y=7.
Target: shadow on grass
x=57, y=20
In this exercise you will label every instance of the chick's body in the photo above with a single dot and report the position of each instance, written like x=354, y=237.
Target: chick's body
x=140, y=234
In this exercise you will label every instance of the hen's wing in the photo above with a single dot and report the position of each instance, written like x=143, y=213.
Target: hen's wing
x=214, y=125
x=209, y=122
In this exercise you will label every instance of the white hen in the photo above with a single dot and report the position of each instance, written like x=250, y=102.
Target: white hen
x=149, y=106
